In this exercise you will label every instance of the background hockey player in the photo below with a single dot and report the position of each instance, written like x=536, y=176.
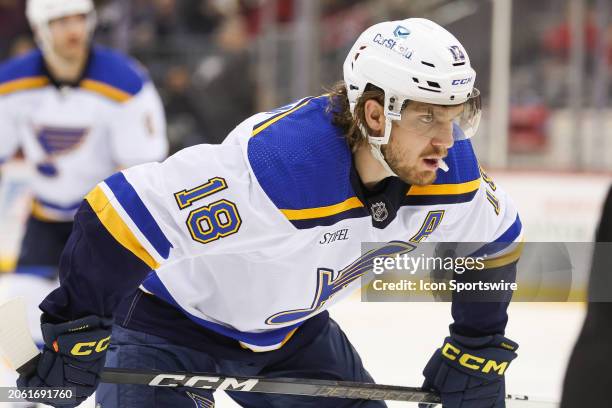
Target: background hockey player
x=587, y=372
x=213, y=261
x=78, y=113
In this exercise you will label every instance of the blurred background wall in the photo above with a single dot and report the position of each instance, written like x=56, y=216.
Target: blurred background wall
x=217, y=61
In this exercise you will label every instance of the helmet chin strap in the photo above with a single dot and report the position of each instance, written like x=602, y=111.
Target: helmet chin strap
x=378, y=155
x=376, y=145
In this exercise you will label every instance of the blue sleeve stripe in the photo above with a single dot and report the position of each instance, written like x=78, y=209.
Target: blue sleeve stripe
x=503, y=241
x=47, y=272
x=512, y=232
x=136, y=209
x=263, y=339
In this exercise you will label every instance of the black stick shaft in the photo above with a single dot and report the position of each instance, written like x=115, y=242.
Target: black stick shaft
x=292, y=386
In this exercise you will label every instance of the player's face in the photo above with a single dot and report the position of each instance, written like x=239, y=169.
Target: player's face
x=70, y=36
x=419, y=140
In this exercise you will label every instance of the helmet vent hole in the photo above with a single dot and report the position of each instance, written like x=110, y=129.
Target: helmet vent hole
x=458, y=64
x=429, y=64
x=363, y=47
x=429, y=89
x=415, y=79
x=354, y=88
x=433, y=84
x=452, y=98
x=356, y=56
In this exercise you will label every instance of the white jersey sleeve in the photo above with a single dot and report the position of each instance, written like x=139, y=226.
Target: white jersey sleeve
x=491, y=221
x=138, y=129
x=200, y=200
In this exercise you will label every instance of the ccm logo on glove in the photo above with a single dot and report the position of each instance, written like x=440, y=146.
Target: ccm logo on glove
x=473, y=362
x=86, y=348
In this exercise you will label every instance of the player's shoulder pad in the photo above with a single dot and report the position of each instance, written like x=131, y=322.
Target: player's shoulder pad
x=23, y=73
x=114, y=75
x=458, y=185
x=303, y=163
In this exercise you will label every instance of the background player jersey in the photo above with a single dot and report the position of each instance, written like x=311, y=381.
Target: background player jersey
x=240, y=235
x=77, y=135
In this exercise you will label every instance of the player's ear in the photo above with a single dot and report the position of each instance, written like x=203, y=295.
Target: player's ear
x=374, y=115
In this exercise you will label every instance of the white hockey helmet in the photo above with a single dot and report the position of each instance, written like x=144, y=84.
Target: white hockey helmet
x=413, y=59
x=41, y=12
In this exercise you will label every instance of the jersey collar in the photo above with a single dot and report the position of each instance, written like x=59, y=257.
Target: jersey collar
x=382, y=200
x=73, y=84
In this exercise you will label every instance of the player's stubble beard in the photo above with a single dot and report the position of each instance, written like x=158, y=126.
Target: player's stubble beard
x=410, y=172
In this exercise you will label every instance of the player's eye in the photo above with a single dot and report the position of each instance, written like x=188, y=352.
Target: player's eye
x=426, y=118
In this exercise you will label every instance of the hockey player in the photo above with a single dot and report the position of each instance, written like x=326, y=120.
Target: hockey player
x=215, y=260
x=587, y=372
x=79, y=113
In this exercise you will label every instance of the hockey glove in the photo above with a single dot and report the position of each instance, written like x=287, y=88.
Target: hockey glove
x=468, y=372
x=73, y=356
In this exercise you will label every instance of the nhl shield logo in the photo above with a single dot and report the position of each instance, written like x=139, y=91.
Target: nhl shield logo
x=379, y=211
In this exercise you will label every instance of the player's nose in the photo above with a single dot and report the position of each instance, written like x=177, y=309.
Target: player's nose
x=444, y=137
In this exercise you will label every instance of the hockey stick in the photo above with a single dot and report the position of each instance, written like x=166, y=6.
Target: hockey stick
x=17, y=345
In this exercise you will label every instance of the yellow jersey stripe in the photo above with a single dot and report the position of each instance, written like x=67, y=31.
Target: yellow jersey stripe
x=38, y=212
x=277, y=118
x=106, y=90
x=445, y=189
x=257, y=349
x=320, y=212
x=117, y=227
x=23, y=84
x=7, y=264
x=505, y=259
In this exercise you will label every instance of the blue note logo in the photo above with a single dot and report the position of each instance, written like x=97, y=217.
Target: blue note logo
x=56, y=141
x=328, y=286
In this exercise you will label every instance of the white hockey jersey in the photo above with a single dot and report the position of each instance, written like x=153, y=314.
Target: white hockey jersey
x=75, y=136
x=253, y=237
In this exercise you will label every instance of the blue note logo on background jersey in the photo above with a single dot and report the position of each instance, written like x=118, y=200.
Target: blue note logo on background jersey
x=60, y=140
x=56, y=141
